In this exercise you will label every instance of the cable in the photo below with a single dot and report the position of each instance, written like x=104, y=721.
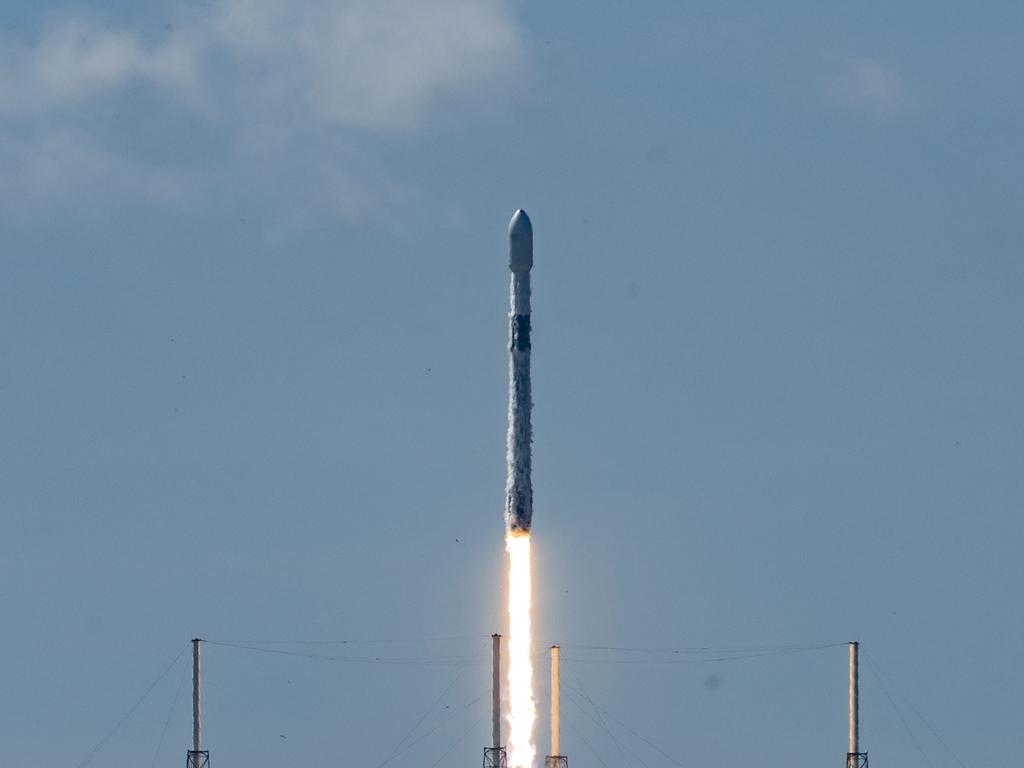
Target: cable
x=429, y=710
x=704, y=648
x=386, y=641
x=878, y=671
x=130, y=711
x=447, y=720
x=899, y=714
x=713, y=660
x=167, y=722
x=642, y=738
x=436, y=660
x=586, y=743
x=597, y=721
x=457, y=742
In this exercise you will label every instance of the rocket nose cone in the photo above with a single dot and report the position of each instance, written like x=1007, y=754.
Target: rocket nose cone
x=520, y=224
x=520, y=242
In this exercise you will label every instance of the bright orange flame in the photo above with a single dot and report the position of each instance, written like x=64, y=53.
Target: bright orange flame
x=522, y=710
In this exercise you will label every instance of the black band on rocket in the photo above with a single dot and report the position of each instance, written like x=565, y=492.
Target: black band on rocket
x=520, y=328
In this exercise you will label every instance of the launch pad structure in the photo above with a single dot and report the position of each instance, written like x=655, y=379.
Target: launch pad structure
x=495, y=756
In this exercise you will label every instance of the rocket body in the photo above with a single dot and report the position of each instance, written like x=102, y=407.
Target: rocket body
x=519, y=486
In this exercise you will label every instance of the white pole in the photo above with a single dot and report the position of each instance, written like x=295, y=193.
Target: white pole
x=854, y=703
x=556, y=696
x=197, y=697
x=496, y=691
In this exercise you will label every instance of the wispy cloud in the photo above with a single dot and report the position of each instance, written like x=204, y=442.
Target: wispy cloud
x=267, y=76
x=74, y=60
x=370, y=63
x=871, y=87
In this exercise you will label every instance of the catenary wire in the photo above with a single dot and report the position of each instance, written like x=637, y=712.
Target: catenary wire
x=598, y=722
x=421, y=737
x=430, y=709
x=710, y=660
x=703, y=649
x=352, y=641
x=457, y=742
x=131, y=710
x=605, y=710
x=427, y=660
x=892, y=684
x=170, y=713
x=579, y=733
x=899, y=714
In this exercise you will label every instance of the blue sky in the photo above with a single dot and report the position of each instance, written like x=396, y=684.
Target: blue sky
x=253, y=374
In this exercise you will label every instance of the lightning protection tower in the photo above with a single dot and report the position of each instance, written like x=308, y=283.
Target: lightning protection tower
x=556, y=759
x=854, y=757
x=197, y=757
x=495, y=755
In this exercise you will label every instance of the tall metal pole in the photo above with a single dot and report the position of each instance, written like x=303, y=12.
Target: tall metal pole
x=197, y=695
x=496, y=691
x=854, y=703
x=556, y=700
x=556, y=759
x=854, y=757
x=495, y=755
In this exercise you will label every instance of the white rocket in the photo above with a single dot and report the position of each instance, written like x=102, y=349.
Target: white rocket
x=519, y=487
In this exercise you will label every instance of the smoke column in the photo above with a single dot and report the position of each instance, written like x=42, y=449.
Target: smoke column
x=519, y=499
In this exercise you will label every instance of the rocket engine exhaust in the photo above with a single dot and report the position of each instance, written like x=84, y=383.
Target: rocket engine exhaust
x=519, y=499
x=522, y=710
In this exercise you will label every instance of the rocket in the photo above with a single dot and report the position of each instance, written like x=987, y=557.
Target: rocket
x=519, y=486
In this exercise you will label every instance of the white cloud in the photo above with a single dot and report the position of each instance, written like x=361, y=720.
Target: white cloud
x=268, y=76
x=357, y=62
x=366, y=62
x=74, y=60
x=870, y=86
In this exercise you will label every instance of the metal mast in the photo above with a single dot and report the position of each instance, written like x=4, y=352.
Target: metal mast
x=494, y=755
x=556, y=759
x=854, y=757
x=197, y=757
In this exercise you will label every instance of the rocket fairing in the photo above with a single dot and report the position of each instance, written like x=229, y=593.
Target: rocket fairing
x=519, y=486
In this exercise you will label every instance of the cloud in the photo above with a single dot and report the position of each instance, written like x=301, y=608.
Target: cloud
x=265, y=78
x=75, y=60
x=373, y=63
x=869, y=86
